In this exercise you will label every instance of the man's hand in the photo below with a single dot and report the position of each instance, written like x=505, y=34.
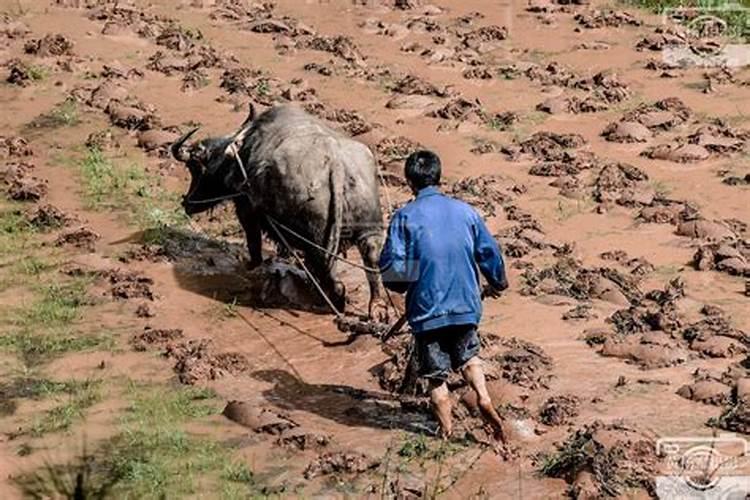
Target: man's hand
x=492, y=292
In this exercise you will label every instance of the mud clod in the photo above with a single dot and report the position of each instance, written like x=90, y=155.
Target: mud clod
x=522, y=363
x=196, y=362
x=82, y=237
x=559, y=410
x=129, y=284
x=485, y=192
x=47, y=217
x=20, y=184
x=396, y=149
x=605, y=459
x=302, y=440
x=340, y=463
x=151, y=338
x=261, y=420
x=14, y=147
x=706, y=391
x=49, y=45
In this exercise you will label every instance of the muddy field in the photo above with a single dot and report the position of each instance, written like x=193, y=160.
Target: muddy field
x=140, y=356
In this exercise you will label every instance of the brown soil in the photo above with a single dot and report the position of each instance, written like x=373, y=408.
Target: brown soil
x=596, y=214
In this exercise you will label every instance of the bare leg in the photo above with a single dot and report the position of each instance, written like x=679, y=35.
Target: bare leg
x=441, y=405
x=474, y=375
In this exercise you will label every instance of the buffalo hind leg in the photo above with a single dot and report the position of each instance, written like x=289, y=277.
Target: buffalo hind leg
x=249, y=220
x=320, y=267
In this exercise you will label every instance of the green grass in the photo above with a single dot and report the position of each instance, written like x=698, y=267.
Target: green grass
x=64, y=114
x=36, y=348
x=37, y=72
x=735, y=13
x=58, y=304
x=32, y=388
x=152, y=456
x=661, y=188
x=566, y=209
x=15, y=232
x=61, y=418
x=46, y=327
x=126, y=188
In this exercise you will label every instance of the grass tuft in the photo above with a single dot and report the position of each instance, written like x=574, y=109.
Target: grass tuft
x=64, y=114
x=45, y=328
x=61, y=418
x=128, y=189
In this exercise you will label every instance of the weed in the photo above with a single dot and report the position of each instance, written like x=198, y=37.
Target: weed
x=58, y=304
x=37, y=72
x=62, y=417
x=38, y=348
x=415, y=447
x=74, y=481
x=567, y=209
x=127, y=189
x=64, y=114
x=15, y=232
x=262, y=88
x=44, y=328
x=107, y=186
x=238, y=472
x=661, y=188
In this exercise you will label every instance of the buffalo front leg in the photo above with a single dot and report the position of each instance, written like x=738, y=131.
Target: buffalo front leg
x=369, y=249
x=250, y=222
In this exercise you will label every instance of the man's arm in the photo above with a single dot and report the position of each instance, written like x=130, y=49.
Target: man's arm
x=488, y=256
x=393, y=257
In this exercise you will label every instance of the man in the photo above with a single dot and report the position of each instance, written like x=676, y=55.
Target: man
x=434, y=246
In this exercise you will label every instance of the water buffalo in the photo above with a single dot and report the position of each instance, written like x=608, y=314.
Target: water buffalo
x=299, y=176
x=207, y=190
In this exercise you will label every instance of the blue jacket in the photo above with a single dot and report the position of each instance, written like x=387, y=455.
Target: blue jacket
x=434, y=246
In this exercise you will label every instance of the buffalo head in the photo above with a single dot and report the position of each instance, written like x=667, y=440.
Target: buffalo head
x=211, y=162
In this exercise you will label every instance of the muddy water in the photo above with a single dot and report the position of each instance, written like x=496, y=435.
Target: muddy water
x=299, y=360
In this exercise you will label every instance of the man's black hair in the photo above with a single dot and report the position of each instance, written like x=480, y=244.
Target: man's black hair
x=423, y=169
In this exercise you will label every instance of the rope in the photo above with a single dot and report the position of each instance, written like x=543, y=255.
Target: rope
x=304, y=267
x=218, y=198
x=322, y=249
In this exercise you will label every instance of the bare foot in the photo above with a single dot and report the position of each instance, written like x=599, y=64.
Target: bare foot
x=494, y=420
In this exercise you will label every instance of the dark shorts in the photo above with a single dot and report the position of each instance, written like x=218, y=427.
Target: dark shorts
x=441, y=350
